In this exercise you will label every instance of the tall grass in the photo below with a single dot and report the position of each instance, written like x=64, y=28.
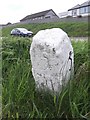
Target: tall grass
x=0, y=78
x=20, y=99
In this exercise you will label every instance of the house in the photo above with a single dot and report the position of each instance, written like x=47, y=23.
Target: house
x=63, y=14
x=80, y=10
x=77, y=11
x=40, y=15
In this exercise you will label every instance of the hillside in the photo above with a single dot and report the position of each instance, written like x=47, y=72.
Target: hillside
x=74, y=29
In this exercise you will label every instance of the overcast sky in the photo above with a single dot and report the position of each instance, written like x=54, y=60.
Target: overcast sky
x=14, y=10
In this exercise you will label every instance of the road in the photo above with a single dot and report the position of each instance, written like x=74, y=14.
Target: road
x=79, y=39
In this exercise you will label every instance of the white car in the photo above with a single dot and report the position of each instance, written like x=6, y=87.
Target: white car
x=21, y=32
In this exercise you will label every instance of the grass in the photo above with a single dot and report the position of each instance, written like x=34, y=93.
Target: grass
x=20, y=99
x=0, y=78
x=72, y=29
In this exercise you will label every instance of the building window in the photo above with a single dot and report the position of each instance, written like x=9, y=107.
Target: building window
x=88, y=9
x=84, y=10
x=47, y=17
x=81, y=10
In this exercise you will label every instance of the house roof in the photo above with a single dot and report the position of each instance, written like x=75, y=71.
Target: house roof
x=39, y=14
x=75, y=7
x=87, y=3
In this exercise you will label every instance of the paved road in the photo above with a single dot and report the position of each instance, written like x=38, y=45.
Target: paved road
x=79, y=38
x=72, y=38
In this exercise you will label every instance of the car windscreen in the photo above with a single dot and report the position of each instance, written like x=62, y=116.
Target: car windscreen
x=24, y=30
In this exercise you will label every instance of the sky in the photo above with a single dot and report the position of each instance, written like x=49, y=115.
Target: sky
x=14, y=10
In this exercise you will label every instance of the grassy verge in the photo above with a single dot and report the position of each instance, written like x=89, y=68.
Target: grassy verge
x=0, y=79
x=72, y=29
x=21, y=100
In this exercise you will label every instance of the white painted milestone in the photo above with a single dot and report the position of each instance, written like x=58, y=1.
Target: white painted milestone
x=52, y=59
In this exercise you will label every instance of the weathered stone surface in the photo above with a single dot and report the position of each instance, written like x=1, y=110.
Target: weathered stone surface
x=52, y=59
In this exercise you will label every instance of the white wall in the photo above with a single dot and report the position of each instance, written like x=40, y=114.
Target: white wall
x=75, y=12
x=78, y=12
x=69, y=13
x=86, y=14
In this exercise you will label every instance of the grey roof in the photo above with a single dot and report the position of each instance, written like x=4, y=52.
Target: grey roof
x=75, y=7
x=87, y=3
x=39, y=14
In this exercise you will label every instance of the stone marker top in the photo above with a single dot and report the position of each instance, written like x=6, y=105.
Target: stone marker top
x=50, y=37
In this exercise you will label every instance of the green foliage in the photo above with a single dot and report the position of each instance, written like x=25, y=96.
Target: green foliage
x=72, y=29
x=20, y=99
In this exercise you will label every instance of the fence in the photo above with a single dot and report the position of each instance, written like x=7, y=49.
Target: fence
x=68, y=19
x=48, y=20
